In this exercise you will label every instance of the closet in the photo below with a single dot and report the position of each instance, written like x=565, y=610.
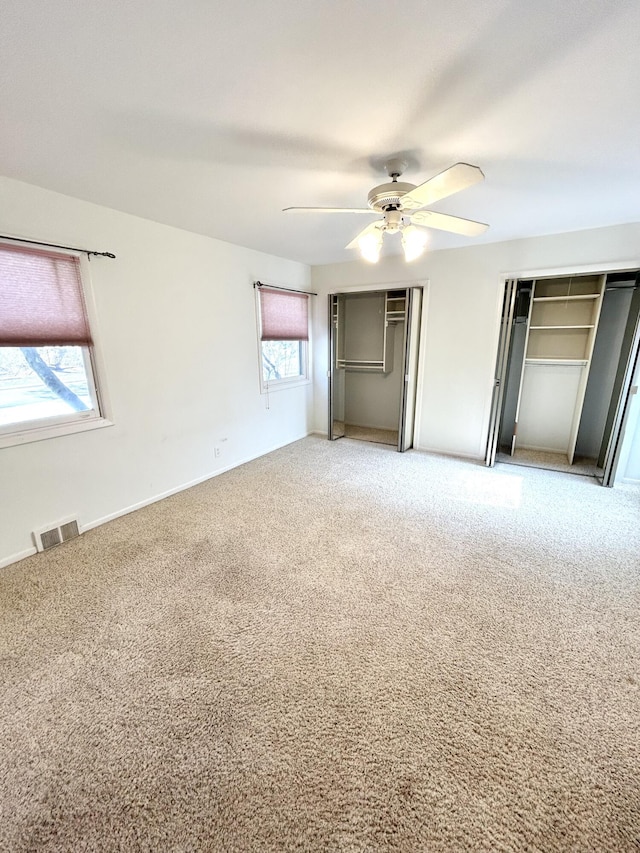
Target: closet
x=374, y=338
x=561, y=329
x=563, y=361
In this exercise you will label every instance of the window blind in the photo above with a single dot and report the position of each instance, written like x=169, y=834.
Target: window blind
x=41, y=299
x=283, y=316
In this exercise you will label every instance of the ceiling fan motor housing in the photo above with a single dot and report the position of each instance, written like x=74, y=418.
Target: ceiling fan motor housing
x=387, y=196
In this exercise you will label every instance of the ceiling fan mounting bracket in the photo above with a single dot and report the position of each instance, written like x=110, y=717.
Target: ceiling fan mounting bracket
x=395, y=167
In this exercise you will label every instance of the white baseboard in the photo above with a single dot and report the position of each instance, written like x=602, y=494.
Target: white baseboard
x=628, y=481
x=451, y=454
x=152, y=500
x=174, y=491
x=15, y=558
x=97, y=522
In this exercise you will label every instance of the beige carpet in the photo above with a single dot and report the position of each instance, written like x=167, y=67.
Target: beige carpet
x=333, y=648
x=374, y=434
x=379, y=436
x=552, y=462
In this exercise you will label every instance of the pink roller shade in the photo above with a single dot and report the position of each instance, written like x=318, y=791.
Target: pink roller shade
x=41, y=301
x=284, y=316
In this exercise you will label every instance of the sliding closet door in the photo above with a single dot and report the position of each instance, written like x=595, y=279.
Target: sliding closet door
x=336, y=374
x=410, y=368
x=502, y=363
x=624, y=393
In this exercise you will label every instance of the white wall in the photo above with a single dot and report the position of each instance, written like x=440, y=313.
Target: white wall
x=462, y=320
x=373, y=399
x=177, y=333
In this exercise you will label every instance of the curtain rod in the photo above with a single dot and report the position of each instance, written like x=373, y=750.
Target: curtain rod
x=277, y=287
x=87, y=252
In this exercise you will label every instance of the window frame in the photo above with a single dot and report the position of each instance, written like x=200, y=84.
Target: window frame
x=74, y=422
x=268, y=385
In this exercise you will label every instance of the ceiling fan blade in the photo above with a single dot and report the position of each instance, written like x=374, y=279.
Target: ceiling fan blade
x=370, y=229
x=444, y=222
x=451, y=181
x=332, y=210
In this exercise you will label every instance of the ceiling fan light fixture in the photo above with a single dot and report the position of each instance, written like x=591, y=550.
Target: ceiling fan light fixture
x=414, y=241
x=370, y=245
x=401, y=203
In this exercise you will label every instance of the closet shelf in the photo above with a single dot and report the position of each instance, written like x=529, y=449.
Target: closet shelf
x=566, y=298
x=395, y=308
x=578, y=361
x=539, y=328
x=562, y=316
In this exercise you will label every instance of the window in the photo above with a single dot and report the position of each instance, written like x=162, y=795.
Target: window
x=47, y=377
x=284, y=336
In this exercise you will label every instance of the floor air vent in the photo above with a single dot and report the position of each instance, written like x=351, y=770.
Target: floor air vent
x=56, y=534
x=69, y=530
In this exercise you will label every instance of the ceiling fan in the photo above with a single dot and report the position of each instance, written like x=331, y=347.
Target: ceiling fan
x=401, y=205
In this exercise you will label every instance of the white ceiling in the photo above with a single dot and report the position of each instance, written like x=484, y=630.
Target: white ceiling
x=214, y=116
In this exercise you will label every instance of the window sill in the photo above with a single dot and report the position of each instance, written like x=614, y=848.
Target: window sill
x=27, y=435
x=283, y=384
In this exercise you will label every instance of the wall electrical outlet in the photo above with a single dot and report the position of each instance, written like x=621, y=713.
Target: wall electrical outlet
x=216, y=452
